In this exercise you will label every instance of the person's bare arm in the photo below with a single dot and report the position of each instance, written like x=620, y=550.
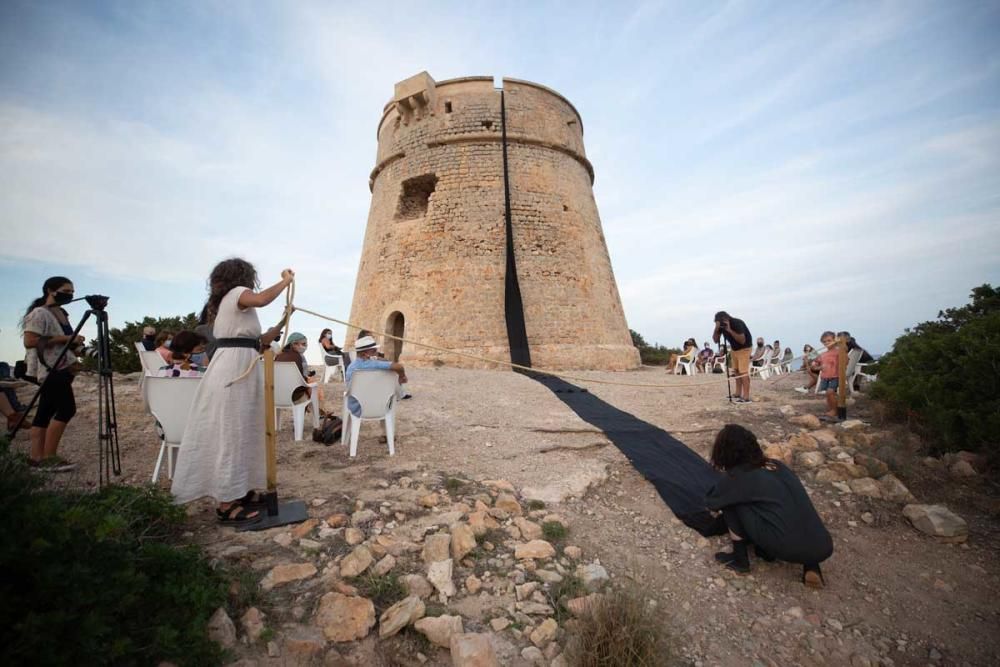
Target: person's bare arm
x=398, y=367
x=717, y=334
x=272, y=334
x=31, y=340
x=251, y=299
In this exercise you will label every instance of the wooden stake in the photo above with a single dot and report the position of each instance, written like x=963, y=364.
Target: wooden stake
x=842, y=374
x=270, y=434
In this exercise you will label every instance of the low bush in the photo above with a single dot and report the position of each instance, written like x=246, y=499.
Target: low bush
x=622, y=630
x=652, y=355
x=941, y=376
x=384, y=590
x=94, y=578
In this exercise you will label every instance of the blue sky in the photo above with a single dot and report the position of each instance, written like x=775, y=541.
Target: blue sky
x=805, y=166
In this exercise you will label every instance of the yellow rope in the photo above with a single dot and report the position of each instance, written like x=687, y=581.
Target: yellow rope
x=289, y=309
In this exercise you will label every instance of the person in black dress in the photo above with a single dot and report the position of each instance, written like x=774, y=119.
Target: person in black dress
x=764, y=505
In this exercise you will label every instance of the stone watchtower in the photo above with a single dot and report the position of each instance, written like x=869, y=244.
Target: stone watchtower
x=434, y=261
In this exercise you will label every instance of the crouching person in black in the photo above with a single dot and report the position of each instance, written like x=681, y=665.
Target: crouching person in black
x=764, y=505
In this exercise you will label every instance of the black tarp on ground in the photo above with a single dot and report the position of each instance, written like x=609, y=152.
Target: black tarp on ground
x=681, y=477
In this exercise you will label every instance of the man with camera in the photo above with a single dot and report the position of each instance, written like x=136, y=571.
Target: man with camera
x=737, y=335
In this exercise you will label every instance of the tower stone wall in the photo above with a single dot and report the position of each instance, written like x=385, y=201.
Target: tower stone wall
x=433, y=263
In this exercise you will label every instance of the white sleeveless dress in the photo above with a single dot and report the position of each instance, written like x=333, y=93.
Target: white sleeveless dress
x=222, y=451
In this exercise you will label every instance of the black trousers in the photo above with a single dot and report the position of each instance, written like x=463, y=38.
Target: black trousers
x=56, y=400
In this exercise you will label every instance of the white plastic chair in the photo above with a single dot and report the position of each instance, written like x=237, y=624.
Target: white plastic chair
x=687, y=365
x=376, y=392
x=331, y=371
x=170, y=401
x=764, y=369
x=287, y=379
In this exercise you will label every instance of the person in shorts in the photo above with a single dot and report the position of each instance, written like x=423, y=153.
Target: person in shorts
x=829, y=378
x=737, y=335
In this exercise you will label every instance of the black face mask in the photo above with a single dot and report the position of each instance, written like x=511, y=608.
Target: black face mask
x=62, y=298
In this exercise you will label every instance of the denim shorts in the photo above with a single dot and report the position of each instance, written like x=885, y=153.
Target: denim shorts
x=831, y=384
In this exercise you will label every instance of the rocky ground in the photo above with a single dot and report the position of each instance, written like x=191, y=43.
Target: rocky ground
x=502, y=511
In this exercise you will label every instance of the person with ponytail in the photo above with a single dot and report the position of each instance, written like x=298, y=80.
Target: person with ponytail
x=222, y=449
x=47, y=331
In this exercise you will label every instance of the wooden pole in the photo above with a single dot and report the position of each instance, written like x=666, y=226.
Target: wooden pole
x=842, y=374
x=270, y=443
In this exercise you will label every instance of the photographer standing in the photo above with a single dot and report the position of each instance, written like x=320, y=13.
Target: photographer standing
x=738, y=336
x=46, y=331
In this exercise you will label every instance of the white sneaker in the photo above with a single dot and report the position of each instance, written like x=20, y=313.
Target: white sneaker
x=802, y=390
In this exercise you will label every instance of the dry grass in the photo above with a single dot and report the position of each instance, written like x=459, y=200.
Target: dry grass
x=621, y=630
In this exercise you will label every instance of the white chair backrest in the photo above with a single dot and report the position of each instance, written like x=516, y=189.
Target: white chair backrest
x=287, y=379
x=170, y=401
x=852, y=361
x=151, y=361
x=374, y=389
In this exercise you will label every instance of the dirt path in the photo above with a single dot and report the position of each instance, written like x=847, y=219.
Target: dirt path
x=894, y=596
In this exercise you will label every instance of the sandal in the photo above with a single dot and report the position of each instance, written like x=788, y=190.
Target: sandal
x=237, y=514
x=253, y=498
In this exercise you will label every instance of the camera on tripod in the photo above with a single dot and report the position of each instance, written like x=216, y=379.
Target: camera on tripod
x=97, y=301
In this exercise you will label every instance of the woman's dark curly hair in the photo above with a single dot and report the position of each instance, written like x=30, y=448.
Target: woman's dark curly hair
x=736, y=446
x=226, y=275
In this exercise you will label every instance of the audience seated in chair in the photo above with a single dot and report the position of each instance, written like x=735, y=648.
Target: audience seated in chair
x=295, y=351
x=366, y=357
x=183, y=347
x=704, y=361
x=690, y=349
x=758, y=353
x=148, y=338
x=163, y=341
x=330, y=350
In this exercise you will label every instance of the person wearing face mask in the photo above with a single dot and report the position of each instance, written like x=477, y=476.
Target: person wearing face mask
x=47, y=331
x=331, y=353
x=163, y=341
x=295, y=351
x=758, y=353
x=148, y=338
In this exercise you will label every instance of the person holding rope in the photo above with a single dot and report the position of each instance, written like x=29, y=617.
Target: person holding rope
x=738, y=336
x=765, y=506
x=222, y=450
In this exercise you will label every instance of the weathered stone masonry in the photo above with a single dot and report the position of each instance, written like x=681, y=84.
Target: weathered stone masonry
x=432, y=267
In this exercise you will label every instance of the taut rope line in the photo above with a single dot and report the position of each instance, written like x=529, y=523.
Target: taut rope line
x=289, y=309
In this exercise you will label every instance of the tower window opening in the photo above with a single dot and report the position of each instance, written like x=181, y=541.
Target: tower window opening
x=447, y=107
x=488, y=124
x=414, y=196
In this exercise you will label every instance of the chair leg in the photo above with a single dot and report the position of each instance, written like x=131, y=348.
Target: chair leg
x=390, y=430
x=298, y=419
x=171, y=460
x=314, y=399
x=355, y=432
x=345, y=419
x=159, y=461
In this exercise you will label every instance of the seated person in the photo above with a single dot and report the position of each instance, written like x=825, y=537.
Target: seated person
x=852, y=344
x=758, y=354
x=765, y=506
x=366, y=357
x=148, y=338
x=331, y=353
x=11, y=408
x=705, y=358
x=811, y=365
x=689, y=353
x=775, y=351
x=163, y=341
x=786, y=359
x=295, y=351
x=362, y=334
x=183, y=348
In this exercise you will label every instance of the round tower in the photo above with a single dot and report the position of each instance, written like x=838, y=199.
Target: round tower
x=434, y=258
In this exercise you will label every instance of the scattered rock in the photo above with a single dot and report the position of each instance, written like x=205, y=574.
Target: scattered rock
x=937, y=520
x=575, y=482
x=539, y=549
x=893, y=489
x=473, y=584
x=524, y=591
x=437, y=547
x=463, y=540
x=304, y=528
x=480, y=522
x=356, y=562
x=581, y=606
x=221, y=629
x=851, y=424
x=962, y=468
x=499, y=624
x=787, y=410
x=838, y=471
x=301, y=643
x=283, y=539
x=592, y=575
x=779, y=452
x=363, y=518
x=472, y=650
x=440, y=629
x=416, y=584
x=544, y=633
x=548, y=576
x=353, y=536
x=344, y=618
x=509, y=504
x=573, y=552
x=810, y=459
x=337, y=520
x=875, y=467
x=825, y=437
x=399, y=615
x=439, y=575
x=867, y=487
x=253, y=623
x=430, y=500
x=810, y=422
x=285, y=573
x=385, y=565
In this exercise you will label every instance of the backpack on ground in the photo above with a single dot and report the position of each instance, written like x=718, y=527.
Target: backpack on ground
x=329, y=430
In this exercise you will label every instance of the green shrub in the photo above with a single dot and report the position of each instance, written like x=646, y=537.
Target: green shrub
x=93, y=578
x=384, y=590
x=621, y=630
x=124, y=357
x=554, y=531
x=653, y=355
x=941, y=376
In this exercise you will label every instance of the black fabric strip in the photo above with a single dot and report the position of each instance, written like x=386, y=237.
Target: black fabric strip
x=681, y=476
x=237, y=342
x=517, y=334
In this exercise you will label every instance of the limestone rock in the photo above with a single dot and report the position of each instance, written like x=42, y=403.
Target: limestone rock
x=437, y=547
x=499, y=624
x=253, y=623
x=301, y=644
x=810, y=422
x=439, y=574
x=363, y=518
x=416, y=584
x=838, y=471
x=470, y=649
x=304, y=528
x=584, y=475
x=533, y=655
x=356, y=562
x=285, y=573
x=473, y=584
x=499, y=485
x=544, y=633
x=344, y=618
x=221, y=629
x=787, y=410
x=810, y=459
x=534, y=608
x=875, y=467
x=337, y=520
x=582, y=606
x=937, y=520
x=779, y=452
x=509, y=504
x=430, y=500
x=825, y=437
x=463, y=540
x=480, y=522
x=866, y=486
x=851, y=424
x=394, y=546
x=529, y=529
x=385, y=565
x=593, y=575
x=548, y=576
x=353, y=536
x=534, y=549
x=893, y=489
x=962, y=468
x=524, y=591
x=439, y=629
x=573, y=552
x=399, y=615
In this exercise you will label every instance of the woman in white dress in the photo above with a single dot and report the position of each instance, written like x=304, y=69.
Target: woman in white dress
x=222, y=450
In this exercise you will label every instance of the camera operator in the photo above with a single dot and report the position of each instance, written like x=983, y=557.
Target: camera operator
x=738, y=336
x=46, y=331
